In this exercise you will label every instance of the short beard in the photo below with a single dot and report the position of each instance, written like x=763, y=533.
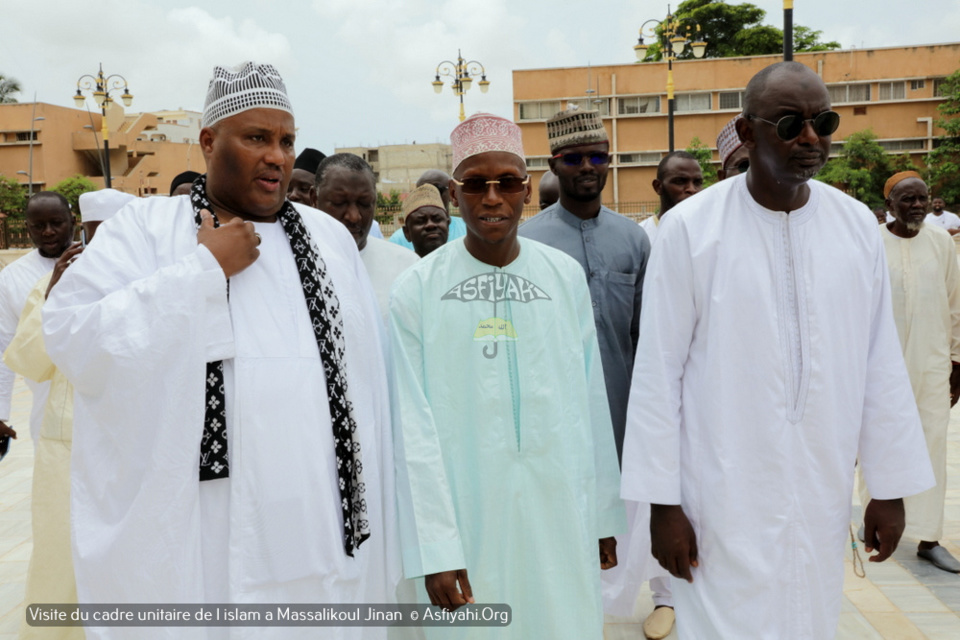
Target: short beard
x=913, y=226
x=808, y=174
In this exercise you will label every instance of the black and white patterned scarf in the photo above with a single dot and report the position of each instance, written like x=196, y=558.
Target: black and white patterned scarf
x=324, y=309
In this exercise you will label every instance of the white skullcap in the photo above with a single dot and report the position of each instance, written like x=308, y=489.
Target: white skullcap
x=246, y=86
x=97, y=206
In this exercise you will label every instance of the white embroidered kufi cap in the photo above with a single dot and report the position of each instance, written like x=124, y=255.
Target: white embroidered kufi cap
x=483, y=132
x=246, y=86
x=97, y=206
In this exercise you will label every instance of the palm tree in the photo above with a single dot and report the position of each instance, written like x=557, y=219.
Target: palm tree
x=8, y=87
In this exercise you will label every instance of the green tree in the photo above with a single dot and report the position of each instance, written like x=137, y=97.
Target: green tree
x=738, y=30
x=8, y=87
x=863, y=167
x=943, y=162
x=389, y=200
x=705, y=158
x=71, y=188
x=13, y=199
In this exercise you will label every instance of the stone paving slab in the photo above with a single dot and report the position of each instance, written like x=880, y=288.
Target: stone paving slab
x=905, y=598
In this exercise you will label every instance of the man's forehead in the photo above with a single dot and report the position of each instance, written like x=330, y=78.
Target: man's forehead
x=584, y=148
x=909, y=185
x=47, y=206
x=681, y=166
x=262, y=118
x=428, y=210
x=499, y=161
x=795, y=90
x=341, y=176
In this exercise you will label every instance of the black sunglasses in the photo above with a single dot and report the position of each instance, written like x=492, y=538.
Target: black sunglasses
x=478, y=186
x=576, y=159
x=790, y=127
x=4, y=446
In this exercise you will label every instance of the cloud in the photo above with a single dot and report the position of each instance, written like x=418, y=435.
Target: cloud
x=166, y=56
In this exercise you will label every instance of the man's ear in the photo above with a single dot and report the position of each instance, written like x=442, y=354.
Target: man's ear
x=207, y=134
x=452, y=190
x=312, y=196
x=657, y=186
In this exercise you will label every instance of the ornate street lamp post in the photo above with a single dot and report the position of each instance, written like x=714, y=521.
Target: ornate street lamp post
x=462, y=73
x=100, y=87
x=673, y=38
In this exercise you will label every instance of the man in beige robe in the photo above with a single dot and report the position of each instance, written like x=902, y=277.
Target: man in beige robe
x=925, y=284
x=50, y=577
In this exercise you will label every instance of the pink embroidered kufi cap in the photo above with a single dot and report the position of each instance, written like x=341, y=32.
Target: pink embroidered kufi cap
x=483, y=132
x=728, y=141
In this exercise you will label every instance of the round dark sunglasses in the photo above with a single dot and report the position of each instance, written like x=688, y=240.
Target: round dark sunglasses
x=790, y=127
x=576, y=159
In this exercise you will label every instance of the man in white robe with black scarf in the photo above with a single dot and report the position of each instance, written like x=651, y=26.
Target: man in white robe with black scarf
x=232, y=433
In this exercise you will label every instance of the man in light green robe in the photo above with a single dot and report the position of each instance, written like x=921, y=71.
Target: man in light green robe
x=506, y=466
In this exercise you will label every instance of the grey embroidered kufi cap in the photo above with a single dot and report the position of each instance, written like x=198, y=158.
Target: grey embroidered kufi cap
x=573, y=127
x=246, y=86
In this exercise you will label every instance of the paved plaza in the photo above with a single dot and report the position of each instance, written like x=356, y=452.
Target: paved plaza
x=902, y=599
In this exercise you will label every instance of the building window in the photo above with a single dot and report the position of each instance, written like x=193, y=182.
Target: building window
x=849, y=93
x=693, y=102
x=25, y=136
x=538, y=110
x=916, y=85
x=373, y=155
x=731, y=99
x=914, y=144
x=638, y=104
x=590, y=104
x=893, y=90
x=938, y=91
x=535, y=163
x=638, y=158
x=549, y=108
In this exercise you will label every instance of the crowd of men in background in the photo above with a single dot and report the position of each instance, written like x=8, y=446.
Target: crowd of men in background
x=273, y=403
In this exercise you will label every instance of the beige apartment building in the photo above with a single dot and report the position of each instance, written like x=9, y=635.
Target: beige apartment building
x=399, y=166
x=44, y=144
x=893, y=91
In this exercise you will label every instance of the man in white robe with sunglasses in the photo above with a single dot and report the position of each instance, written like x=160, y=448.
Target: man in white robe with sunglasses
x=768, y=363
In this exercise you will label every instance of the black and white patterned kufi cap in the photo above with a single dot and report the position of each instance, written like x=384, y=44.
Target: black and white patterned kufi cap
x=246, y=86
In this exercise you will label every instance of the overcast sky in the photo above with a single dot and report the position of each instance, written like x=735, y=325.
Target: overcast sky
x=359, y=71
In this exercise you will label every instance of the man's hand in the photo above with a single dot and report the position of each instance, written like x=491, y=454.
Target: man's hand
x=955, y=384
x=444, y=592
x=64, y=261
x=883, y=525
x=673, y=542
x=7, y=431
x=608, y=553
x=233, y=244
